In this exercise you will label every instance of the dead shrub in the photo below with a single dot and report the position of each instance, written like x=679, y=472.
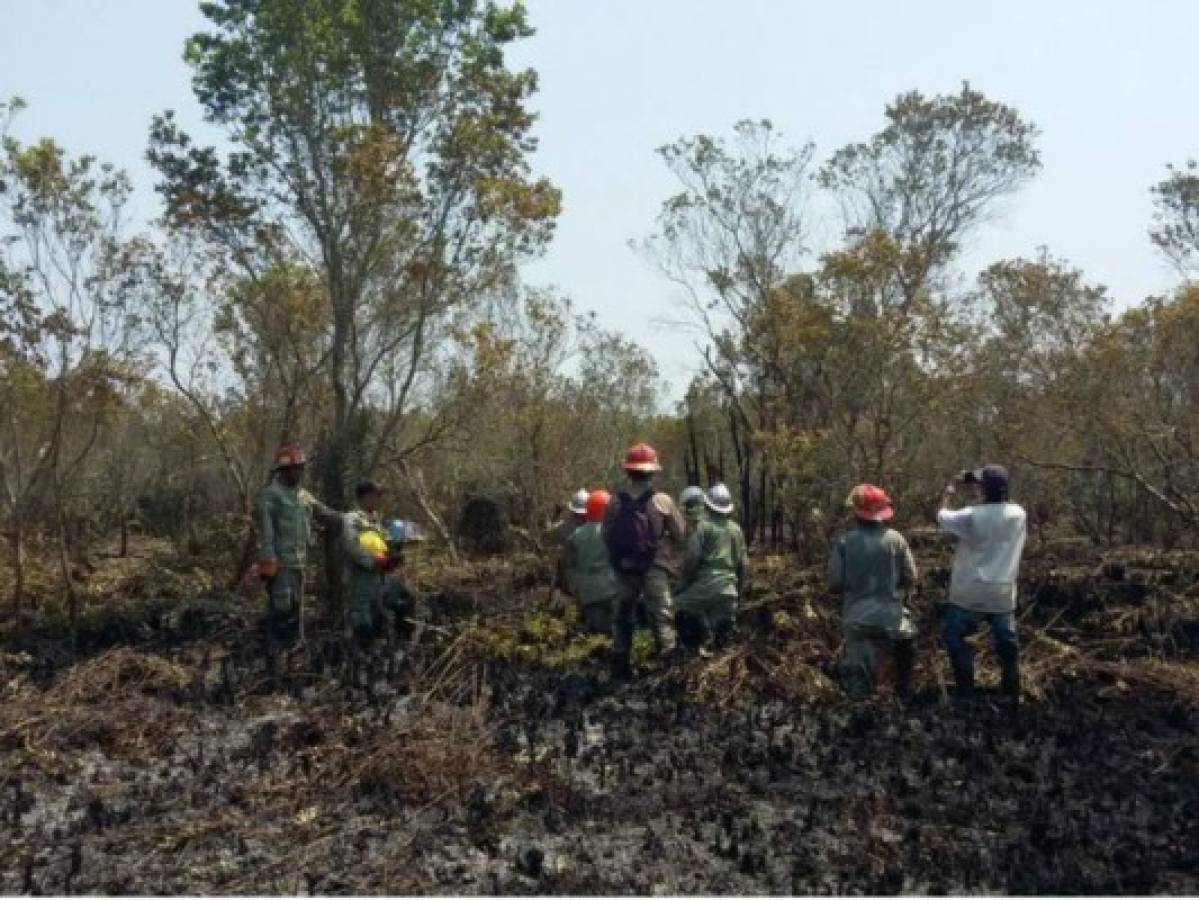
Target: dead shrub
x=430, y=760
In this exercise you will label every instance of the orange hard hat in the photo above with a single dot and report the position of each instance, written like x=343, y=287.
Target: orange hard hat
x=290, y=455
x=870, y=503
x=597, y=505
x=642, y=458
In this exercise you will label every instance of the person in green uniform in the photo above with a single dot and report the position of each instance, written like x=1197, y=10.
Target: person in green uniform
x=691, y=502
x=374, y=593
x=713, y=576
x=872, y=568
x=644, y=533
x=589, y=570
x=284, y=513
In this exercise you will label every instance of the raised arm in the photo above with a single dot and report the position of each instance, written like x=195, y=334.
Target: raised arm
x=349, y=543
x=325, y=515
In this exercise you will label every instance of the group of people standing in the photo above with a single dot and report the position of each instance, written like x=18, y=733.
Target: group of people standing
x=681, y=568
x=622, y=556
x=638, y=554
x=378, y=598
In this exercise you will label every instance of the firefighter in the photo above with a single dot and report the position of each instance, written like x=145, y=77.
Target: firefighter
x=284, y=513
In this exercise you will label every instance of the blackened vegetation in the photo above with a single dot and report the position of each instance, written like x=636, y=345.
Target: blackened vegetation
x=472, y=763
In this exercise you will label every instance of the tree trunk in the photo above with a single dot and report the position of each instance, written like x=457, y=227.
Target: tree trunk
x=124, y=534
x=693, y=473
x=17, y=549
x=336, y=460
x=416, y=481
x=64, y=563
x=762, y=507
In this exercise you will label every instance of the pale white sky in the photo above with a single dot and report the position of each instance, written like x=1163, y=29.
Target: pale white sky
x=1112, y=85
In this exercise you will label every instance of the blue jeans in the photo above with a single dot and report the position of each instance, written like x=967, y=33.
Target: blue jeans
x=958, y=623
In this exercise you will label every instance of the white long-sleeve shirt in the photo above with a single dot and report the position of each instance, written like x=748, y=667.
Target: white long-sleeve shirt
x=987, y=561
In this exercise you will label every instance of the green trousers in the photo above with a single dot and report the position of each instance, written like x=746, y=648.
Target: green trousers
x=701, y=618
x=654, y=589
x=597, y=618
x=864, y=645
x=373, y=601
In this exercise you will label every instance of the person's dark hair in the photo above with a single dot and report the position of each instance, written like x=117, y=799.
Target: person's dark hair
x=994, y=481
x=365, y=487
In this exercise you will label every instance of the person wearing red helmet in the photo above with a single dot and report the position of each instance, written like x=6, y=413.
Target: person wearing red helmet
x=283, y=518
x=644, y=532
x=588, y=570
x=872, y=568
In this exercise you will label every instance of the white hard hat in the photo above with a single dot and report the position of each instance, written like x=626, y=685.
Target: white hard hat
x=719, y=499
x=691, y=495
x=578, y=503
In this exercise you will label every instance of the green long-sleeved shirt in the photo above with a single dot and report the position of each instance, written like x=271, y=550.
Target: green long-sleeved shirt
x=714, y=565
x=588, y=569
x=872, y=567
x=283, y=518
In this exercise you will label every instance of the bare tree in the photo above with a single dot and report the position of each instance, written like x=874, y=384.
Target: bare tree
x=1175, y=228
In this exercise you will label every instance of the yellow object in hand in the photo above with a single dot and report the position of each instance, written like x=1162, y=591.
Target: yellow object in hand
x=372, y=542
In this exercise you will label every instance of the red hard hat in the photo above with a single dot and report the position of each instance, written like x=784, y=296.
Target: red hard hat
x=289, y=455
x=870, y=503
x=597, y=505
x=641, y=458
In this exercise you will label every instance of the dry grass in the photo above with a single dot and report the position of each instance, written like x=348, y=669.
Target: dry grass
x=436, y=758
x=764, y=672
x=109, y=702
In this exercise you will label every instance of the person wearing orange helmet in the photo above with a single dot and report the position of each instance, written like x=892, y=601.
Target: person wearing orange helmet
x=588, y=570
x=644, y=533
x=872, y=568
x=283, y=518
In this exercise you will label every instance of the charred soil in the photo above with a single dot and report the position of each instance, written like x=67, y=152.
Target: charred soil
x=490, y=754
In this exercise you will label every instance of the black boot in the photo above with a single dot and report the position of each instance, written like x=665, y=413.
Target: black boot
x=905, y=662
x=622, y=669
x=1009, y=664
x=963, y=676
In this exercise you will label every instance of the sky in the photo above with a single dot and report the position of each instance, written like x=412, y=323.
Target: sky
x=1112, y=86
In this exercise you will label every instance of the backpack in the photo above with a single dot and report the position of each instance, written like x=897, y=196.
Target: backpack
x=634, y=535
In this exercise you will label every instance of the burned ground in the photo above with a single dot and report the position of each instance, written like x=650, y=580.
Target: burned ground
x=492, y=756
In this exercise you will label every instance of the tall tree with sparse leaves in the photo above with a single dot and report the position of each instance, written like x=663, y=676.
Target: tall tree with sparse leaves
x=382, y=143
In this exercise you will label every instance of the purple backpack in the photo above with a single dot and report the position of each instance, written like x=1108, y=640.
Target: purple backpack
x=633, y=536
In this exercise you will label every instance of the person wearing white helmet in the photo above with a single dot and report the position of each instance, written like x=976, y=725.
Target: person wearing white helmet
x=561, y=533
x=589, y=570
x=713, y=574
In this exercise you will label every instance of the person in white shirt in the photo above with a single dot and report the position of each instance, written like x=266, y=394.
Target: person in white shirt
x=990, y=539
